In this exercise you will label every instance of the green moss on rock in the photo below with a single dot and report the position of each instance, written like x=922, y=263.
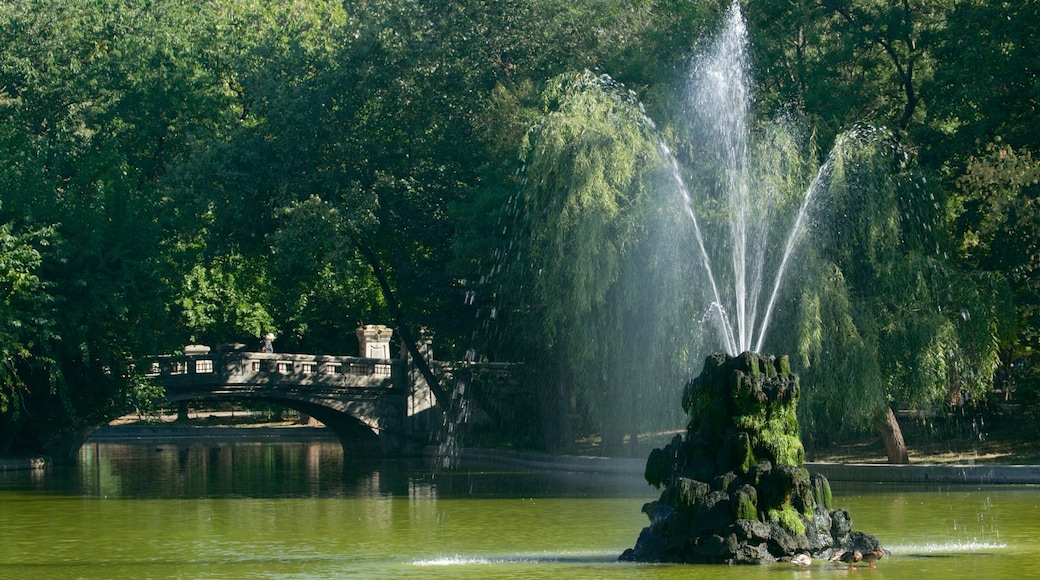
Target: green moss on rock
x=742, y=436
x=688, y=491
x=821, y=491
x=745, y=503
x=788, y=519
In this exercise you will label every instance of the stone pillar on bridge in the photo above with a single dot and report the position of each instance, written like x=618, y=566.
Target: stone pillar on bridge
x=374, y=340
x=188, y=350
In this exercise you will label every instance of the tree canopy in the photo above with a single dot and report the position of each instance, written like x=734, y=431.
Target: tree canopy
x=181, y=172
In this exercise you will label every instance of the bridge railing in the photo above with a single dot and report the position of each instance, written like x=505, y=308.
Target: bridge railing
x=276, y=369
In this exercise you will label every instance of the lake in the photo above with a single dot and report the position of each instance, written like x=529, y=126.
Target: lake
x=303, y=510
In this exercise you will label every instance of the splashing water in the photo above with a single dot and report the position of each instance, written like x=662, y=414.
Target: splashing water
x=740, y=218
x=720, y=101
x=449, y=451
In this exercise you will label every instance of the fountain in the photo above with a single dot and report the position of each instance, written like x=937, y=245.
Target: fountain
x=735, y=487
x=736, y=490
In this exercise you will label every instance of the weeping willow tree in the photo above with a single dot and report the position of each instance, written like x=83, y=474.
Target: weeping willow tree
x=591, y=164
x=885, y=316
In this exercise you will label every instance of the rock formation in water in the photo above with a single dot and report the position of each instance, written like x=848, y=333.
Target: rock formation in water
x=735, y=489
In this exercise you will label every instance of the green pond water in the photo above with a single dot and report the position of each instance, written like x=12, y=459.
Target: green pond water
x=302, y=510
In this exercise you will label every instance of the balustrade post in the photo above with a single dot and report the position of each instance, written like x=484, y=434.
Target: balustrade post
x=374, y=340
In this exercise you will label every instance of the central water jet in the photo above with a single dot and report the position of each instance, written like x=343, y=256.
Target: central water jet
x=735, y=487
x=720, y=103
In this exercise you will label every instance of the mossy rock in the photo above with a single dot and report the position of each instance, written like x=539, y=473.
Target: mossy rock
x=736, y=453
x=778, y=440
x=657, y=511
x=701, y=467
x=821, y=491
x=761, y=503
x=750, y=423
x=745, y=503
x=714, y=512
x=758, y=472
x=695, y=398
x=688, y=491
x=658, y=468
x=724, y=482
x=749, y=362
x=776, y=489
x=788, y=518
x=779, y=448
x=711, y=548
x=841, y=524
x=662, y=464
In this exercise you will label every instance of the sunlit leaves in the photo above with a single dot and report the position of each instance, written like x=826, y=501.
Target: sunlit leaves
x=225, y=300
x=323, y=286
x=997, y=210
x=99, y=97
x=24, y=321
x=583, y=165
x=887, y=317
x=590, y=163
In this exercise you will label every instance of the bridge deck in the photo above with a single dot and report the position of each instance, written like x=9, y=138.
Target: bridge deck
x=277, y=369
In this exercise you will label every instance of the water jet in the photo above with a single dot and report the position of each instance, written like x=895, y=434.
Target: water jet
x=735, y=488
x=738, y=264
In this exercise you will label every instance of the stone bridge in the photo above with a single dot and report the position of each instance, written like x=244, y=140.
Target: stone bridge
x=370, y=403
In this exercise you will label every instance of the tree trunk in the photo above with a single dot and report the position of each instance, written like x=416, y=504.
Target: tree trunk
x=634, y=449
x=892, y=435
x=442, y=398
x=557, y=411
x=611, y=439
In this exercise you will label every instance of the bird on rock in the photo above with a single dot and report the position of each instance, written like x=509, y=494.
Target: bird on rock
x=801, y=560
x=873, y=556
x=850, y=557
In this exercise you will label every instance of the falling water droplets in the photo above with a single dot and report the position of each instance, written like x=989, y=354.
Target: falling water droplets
x=720, y=100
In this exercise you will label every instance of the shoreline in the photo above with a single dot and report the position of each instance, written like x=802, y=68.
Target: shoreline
x=39, y=462
x=154, y=433
x=988, y=474
x=117, y=433
x=972, y=474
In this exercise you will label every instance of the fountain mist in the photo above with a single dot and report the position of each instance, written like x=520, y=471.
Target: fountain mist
x=720, y=103
x=620, y=315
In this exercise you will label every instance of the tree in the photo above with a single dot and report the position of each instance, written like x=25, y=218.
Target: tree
x=985, y=83
x=887, y=318
x=910, y=66
x=98, y=98
x=590, y=165
x=843, y=62
x=982, y=134
x=23, y=320
x=997, y=214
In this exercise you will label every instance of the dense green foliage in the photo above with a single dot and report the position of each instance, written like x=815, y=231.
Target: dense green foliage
x=592, y=163
x=181, y=172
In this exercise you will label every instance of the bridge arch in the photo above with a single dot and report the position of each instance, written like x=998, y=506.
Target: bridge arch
x=354, y=434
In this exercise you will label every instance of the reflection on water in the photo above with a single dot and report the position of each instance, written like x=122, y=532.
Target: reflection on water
x=231, y=510
x=305, y=470
x=244, y=470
